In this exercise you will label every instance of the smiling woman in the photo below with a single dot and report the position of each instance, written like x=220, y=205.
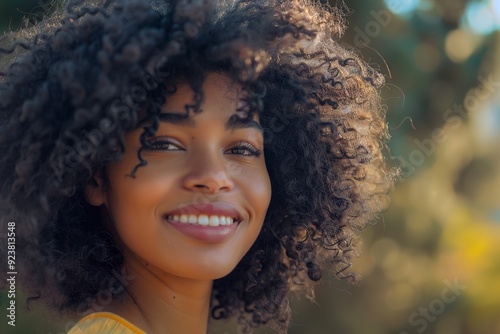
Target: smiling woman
x=181, y=160
x=223, y=166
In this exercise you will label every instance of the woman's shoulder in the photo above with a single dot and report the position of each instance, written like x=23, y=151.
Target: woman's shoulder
x=104, y=322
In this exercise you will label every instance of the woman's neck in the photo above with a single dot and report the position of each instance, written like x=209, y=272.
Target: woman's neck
x=159, y=303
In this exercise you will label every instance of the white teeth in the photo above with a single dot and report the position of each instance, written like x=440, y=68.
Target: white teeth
x=193, y=219
x=203, y=220
x=214, y=221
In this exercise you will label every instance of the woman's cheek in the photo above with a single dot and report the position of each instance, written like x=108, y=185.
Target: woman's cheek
x=259, y=186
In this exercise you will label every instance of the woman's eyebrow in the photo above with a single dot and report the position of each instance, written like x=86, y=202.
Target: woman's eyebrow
x=177, y=119
x=174, y=118
x=234, y=123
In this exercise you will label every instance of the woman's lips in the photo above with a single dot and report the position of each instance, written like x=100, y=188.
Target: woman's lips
x=208, y=222
x=210, y=234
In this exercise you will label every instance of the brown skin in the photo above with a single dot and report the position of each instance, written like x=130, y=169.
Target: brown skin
x=204, y=162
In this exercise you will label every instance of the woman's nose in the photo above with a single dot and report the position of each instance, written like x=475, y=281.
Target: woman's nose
x=208, y=173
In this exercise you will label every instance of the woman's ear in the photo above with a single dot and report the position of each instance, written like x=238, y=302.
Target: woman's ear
x=95, y=192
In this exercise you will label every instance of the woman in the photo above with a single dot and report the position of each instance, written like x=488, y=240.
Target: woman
x=181, y=160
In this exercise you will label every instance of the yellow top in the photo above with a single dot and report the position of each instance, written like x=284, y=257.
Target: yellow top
x=104, y=323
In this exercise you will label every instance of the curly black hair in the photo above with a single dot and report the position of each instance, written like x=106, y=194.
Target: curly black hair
x=74, y=84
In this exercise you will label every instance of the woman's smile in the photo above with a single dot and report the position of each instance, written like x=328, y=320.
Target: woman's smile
x=209, y=222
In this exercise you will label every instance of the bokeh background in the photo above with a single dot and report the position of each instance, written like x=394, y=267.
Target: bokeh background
x=431, y=263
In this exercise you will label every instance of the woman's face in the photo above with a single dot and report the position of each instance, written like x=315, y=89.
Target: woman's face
x=199, y=204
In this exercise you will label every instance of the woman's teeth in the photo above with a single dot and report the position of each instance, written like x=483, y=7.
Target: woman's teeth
x=203, y=220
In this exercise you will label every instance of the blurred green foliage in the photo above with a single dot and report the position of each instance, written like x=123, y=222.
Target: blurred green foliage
x=431, y=264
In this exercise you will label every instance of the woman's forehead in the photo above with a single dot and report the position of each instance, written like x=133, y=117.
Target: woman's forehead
x=218, y=92
x=216, y=89
x=212, y=82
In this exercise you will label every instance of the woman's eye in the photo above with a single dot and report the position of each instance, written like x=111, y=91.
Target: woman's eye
x=245, y=149
x=163, y=145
